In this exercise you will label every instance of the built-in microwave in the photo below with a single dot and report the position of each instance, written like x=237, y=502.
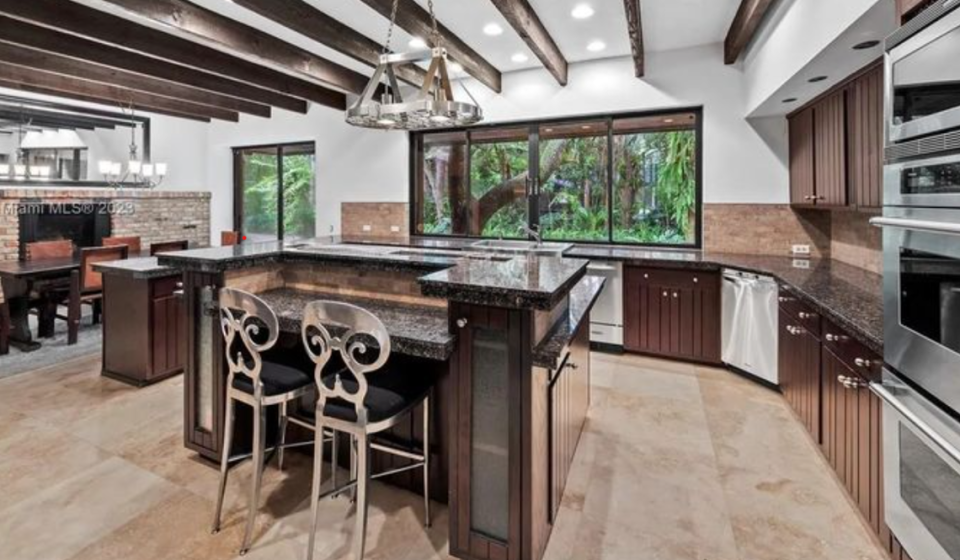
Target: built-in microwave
x=923, y=76
x=930, y=182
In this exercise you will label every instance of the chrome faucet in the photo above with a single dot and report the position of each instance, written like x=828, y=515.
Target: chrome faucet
x=534, y=233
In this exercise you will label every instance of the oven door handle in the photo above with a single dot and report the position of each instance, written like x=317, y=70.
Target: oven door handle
x=888, y=397
x=916, y=225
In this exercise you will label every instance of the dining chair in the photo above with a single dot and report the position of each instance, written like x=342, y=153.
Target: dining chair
x=133, y=243
x=250, y=328
x=169, y=247
x=59, y=249
x=86, y=286
x=353, y=401
x=5, y=325
x=228, y=238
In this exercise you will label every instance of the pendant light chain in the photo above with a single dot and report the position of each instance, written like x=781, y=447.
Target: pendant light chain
x=393, y=23
x=435, y=37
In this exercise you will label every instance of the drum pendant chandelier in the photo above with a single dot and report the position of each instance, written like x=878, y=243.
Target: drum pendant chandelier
x=433, y=106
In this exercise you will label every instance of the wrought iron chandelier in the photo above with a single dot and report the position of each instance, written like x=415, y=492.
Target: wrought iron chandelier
x=433, y=106
x=138, y=173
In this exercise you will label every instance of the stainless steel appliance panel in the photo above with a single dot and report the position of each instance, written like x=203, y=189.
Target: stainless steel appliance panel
x=933, y=182
x=921, y=461
x=606, y=319
x=750, y=328
x=921, y=304
x=923, y=81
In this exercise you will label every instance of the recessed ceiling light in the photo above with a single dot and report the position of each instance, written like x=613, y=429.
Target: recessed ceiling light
x=865, y=45
x=582, y=11
x=417, y=43
x=668, y=121
x=816, y=79
x=519, y=58
x=790, y=100
x=596, y=46
x=585, y=127
x=492, y=29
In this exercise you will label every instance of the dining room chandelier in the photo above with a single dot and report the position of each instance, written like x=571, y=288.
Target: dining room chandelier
x=136, y=173
x=383, y=106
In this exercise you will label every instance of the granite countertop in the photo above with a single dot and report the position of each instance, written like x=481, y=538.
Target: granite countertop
x=583, y=296
x=450, y=270
x=145, y=268
x=849, y=296
x=415, y=330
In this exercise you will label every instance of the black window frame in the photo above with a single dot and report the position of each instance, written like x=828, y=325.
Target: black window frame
x=238, y=181
x=533, y=214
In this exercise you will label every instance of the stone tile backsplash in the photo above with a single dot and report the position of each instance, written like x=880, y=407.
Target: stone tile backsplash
x=854, y=241
x=764, y=229
x=376, y=219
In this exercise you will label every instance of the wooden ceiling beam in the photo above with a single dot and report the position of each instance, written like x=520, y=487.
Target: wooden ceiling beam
x=205, y=26
x=36, y=81
x=524, y=20
x=23, y=109
x=83, y=21
x=415, y=20
x=42, y=38
x=635, y=31
x=316, y=25
x=48, y=122
x=65, y=66
x=744, y=28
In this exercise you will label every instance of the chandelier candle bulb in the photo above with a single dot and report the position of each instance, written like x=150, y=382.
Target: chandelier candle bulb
x=4, y=169
x=160, y=169
x=20, y=170
x=147, y=170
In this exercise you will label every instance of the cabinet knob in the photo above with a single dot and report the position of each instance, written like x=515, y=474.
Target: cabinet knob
x=665, y=294
x=783, y=299
x=804, y=315
x=179, y=284
x=831, y=337
x=461, y=323
x=696, y=280
x=646, y=275
x=676, y=295
x=862, y=363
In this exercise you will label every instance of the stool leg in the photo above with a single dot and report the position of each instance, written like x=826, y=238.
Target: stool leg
x=224, y=462
x=315, y=486
x=426, y=461
x=283, y=434
x=353, y=467
x=334, y=456
x=259, y=445
x=363, y=478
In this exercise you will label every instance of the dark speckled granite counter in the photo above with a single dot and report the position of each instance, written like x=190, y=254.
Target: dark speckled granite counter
x=549, y=352
x=146, y=268
x=844, y=294
x=515, y=281
x=415, y=330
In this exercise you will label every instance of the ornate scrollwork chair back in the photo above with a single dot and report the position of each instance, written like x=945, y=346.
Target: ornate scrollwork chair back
x=247, y=317
x=352, y=332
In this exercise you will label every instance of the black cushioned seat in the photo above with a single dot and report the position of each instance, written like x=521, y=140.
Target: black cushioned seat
x=277, y=379
x=389, y=393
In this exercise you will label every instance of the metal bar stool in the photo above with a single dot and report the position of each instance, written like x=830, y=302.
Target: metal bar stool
x=250, y=328
x=349, y=402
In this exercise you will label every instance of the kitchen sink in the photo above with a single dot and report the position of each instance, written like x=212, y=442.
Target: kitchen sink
x=478, y=256
x=518, y=246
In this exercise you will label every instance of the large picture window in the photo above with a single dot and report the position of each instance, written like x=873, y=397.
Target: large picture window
x=275, y=192
x=632, y=179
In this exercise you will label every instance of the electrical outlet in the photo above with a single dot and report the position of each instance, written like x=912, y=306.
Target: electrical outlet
x=395, y=229
x=800, y=249
x=367, y=229
x=803, y=264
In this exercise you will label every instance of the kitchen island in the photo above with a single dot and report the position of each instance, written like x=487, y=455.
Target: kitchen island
x=506, y=334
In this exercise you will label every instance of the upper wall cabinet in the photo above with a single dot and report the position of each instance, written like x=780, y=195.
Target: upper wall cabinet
x=836, y=146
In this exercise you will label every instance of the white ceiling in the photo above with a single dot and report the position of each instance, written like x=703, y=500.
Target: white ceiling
x=667, y=24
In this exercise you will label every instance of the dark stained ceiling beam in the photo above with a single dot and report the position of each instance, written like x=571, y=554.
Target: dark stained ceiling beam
x=524, y=20
x=42, y=38
x=36, y=81
x=47, y=122
x=744, y=28
x=202, y=25
x=57, y=64
x=310, y=22
x=79, y=117
x=83, y=21
x=415, y=20
x=635, y=31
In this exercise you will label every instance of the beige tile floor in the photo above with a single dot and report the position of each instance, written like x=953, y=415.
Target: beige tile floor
x=677, y=463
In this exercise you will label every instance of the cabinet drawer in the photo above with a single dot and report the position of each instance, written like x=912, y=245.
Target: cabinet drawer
x=164, y=287
x=854, y=355
x=673, y=278
x=798, y=312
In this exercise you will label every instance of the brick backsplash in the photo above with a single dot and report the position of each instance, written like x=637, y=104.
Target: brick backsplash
x=381, y=217
x=854, y=241
x=153, y=215
x=764, y=229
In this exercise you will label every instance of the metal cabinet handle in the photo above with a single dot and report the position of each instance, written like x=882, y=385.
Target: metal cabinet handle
x=646, y=276
x=676, y=295
x=851, y=383
x=572, y=365
x=178, y=293
x=795, y=331
x=179, y=284
x=862, y=363
x=804, y=315
x=665, y=294
x=696, y=280
x=461, y=323
x=832, y=337
x=783, y=299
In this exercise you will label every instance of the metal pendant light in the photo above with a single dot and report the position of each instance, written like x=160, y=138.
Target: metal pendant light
x=433, y=106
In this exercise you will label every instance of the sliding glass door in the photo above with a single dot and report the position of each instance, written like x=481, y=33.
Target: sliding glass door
x=275, y=192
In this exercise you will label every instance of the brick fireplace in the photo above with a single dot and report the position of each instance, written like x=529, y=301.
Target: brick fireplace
x=153, y=215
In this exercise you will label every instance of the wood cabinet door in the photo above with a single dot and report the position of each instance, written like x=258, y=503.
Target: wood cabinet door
x=865, y=117
x=799, y=360
x=802, y=181
x=167, y=331
x=830, y=150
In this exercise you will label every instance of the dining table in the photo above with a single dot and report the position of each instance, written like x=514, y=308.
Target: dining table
x=41, y=284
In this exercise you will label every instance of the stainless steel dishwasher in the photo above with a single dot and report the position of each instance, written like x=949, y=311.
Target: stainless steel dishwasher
x=751, y=324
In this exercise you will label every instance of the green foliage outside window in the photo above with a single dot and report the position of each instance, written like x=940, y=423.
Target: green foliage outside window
x=260, y=197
